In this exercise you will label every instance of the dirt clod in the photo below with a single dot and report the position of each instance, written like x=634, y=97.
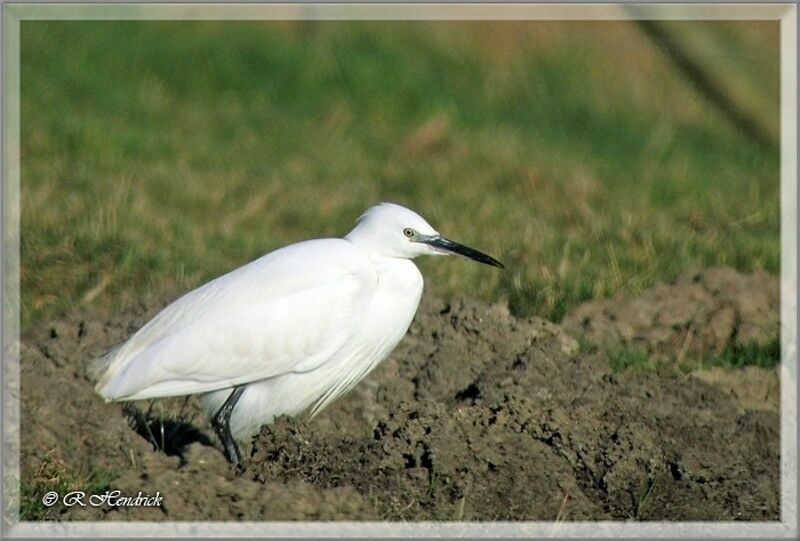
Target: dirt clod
x=703, y=313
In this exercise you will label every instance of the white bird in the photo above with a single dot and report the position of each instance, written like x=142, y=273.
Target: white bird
x=288, y=332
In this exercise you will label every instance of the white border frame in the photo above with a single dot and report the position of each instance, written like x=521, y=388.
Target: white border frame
x=13, y=14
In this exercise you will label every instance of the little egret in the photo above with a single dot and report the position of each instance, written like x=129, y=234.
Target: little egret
x=288, y=332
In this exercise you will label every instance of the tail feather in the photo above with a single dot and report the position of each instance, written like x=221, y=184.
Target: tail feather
x=101, y=370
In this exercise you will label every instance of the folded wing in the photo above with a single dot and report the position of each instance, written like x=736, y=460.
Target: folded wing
x=289, y=311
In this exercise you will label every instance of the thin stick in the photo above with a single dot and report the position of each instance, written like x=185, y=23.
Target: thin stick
x=560, y=511
x=711, y=90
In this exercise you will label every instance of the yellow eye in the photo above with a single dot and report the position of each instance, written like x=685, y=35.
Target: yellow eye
x=408, y=232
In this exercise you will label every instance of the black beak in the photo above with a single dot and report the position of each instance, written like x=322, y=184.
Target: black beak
x=456, y=248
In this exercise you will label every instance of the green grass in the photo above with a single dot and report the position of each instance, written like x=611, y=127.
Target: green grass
x=54, y=475
x=627, y=358
x=763, y=355
x=157, y=155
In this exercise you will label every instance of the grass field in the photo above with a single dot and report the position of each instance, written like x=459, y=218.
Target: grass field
x=157, y=155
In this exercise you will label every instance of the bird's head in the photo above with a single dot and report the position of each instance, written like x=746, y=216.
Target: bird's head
x=390, y=230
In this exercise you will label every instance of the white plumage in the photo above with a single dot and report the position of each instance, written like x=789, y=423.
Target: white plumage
x=298, y=326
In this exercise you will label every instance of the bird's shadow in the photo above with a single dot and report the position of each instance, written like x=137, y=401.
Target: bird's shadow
x=169, y=435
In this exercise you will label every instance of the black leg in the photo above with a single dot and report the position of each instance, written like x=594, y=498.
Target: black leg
x=222, y=426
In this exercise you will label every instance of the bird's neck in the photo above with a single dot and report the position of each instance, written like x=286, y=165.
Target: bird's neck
x=375, y=251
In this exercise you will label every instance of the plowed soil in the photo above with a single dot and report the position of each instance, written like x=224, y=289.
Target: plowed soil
x=476, y=416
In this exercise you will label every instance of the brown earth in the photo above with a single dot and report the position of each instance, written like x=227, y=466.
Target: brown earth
x=476, y=416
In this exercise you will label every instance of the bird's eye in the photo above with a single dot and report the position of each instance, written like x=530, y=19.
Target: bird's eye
x=408, y=232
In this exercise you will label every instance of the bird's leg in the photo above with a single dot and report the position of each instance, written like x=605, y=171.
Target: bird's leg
x=222, y=426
